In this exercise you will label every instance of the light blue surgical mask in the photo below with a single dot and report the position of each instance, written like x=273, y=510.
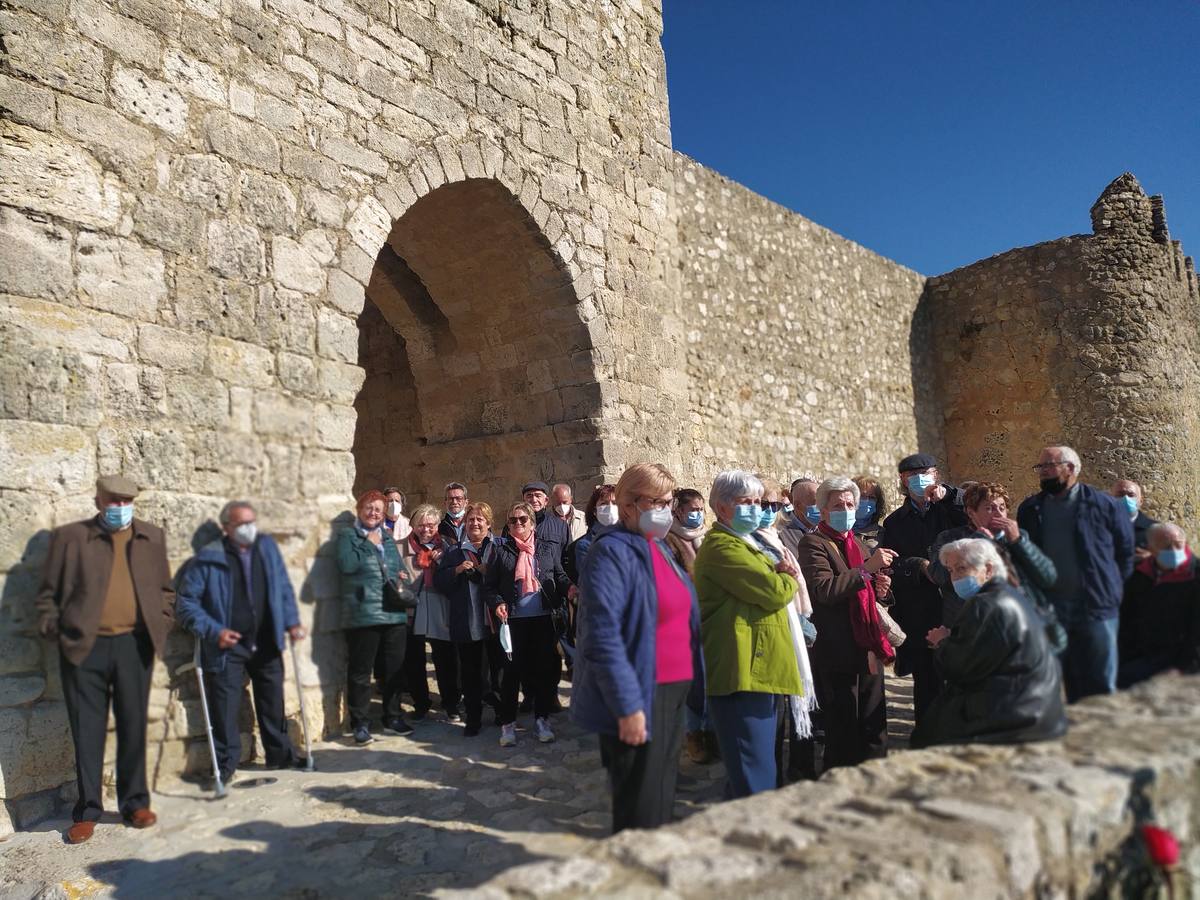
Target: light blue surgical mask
x=1131, y=505
x=694, y=519
x=1171, y=558
x=456, y=514
x=841, y=520
x=918, y=482
x=654, y=523
x=746, y=517
x=813, y=514
x=118, y=516
x=767, y=519
x=967, y=586
x=866, y=511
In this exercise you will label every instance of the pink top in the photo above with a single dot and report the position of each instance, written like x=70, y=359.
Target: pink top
x=673, y=636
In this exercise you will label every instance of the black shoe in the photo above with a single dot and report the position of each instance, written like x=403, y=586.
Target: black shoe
x=420, y=712
x=297, y=762
x=397, y=726
x=362, y=735
x=453, y=715
x=472, y=729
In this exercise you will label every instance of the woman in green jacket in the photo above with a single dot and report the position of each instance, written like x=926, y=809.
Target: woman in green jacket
x=749, y=645
x=365, y=552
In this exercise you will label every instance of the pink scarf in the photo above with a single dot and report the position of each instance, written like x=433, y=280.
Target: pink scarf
x=864, y=615
x=524, y=571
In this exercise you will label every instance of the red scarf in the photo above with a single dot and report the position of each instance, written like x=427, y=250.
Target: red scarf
x=864, y=615
x=423, y=556
x=1185, y=572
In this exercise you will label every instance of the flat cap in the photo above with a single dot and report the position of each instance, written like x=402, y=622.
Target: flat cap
x=917, y=461
x=535, y=486
x=117, y=486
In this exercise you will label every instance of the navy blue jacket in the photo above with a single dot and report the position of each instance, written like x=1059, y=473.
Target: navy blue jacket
x=615, y=662
x=204, y=599
x=1103, y=540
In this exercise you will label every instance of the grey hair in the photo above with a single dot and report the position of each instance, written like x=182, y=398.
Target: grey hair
x=836, y=485
x=1165, y=529
x=455, y=486
x=562, y=484
x=227, y=510
x=1068, y=456
x=976, y=553
x=728, y=486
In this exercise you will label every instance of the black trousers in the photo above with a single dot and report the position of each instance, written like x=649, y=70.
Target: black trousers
x=265, y=668
x=927, y=682
x=458, y=667
x=119, y=668
x=535, y=666
x=416, y=677
x=643, y=778
x=363, y=645
x=496, y=663
x=854, y=714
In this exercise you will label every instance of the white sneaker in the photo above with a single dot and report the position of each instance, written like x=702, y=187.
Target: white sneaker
x=541, y=728
x=508, y=735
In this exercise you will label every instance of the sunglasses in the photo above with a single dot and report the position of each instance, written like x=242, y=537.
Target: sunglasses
x=518, y=520
x=773, y=507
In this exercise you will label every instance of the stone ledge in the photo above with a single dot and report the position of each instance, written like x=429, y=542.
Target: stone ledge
x=970, y=821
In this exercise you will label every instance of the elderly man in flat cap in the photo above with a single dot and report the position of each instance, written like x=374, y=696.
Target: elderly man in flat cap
x=927, y=508
x=106, y=595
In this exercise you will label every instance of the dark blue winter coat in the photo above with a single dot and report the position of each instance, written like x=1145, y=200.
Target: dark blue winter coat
x=204, y=598
x=1103, y=540
x=615, y=664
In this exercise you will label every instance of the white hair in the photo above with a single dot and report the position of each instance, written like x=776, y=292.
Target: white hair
x=728, y=486
x=976, y=553
x=1165, y=529
x=1068, y=455
x=836, y=485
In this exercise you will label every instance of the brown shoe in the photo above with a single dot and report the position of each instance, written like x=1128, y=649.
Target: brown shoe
x=141, y=818
x=80, y=832
x=696, y=750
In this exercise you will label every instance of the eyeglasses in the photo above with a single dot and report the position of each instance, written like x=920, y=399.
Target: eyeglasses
x=655, y=503
x=773, y=507
x=1042, y=467
x=518, y=520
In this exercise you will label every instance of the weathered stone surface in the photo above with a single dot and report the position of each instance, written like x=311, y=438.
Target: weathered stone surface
x=35, y=456
x=64, y=63
x=25, y=102
x=241, y=141
x=49, y=176
x=235, y=249
x=237, y=362
x=294, y=266
x=202, y=180
x=268, y=201
x=155, y=102
x=35, y=257
x=120, y=275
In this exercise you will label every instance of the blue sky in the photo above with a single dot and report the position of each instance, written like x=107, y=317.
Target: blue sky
x=939, y=133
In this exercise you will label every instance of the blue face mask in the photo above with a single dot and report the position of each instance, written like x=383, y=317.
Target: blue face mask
x=694, y=519
x=917, y=484
x=966, y=587
x=767, y=519
x=787, y=509
x=841, y=520
x=118, y=517
x=746, y=517
x=866, y=512
x=1171, y=558
x=1131, y=505
x=813, y=514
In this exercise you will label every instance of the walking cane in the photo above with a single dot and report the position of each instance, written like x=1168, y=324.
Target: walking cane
x=220, y=790
x=309, y=765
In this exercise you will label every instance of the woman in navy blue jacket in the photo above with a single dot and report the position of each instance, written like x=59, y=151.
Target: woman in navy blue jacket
x=638, y=650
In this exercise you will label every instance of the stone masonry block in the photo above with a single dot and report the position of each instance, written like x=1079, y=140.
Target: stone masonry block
x=280, y=414
x=171, y=349
x=63, y=62
x=170, y=224
x=35, y=257
x=25, y=102
x=202, y=180
x=35, y=456
x=294, y=266
x=126, y=38
x=120, y=275
x=238, y=362
x=369, y=225
x=345, y=293
x=48, y=175
x=267, y=201
x=195, y=77
x=335, y=426
x=235, y=249
x=326, y=472
x=155, y=102
x=44, y=324
x=241, y=141
x=337, y=336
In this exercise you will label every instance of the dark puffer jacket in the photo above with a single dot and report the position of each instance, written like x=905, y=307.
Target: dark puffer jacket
x=1003, y=684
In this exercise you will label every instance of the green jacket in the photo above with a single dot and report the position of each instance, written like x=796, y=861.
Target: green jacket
x=361, y=581
x=743, y=618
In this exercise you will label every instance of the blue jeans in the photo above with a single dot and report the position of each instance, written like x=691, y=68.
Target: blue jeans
x=745, y=726
x=1090, y=661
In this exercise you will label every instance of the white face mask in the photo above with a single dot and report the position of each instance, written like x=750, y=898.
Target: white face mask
x=606, y=514
x=394, y=508
x=563, y=508
x=245, y=533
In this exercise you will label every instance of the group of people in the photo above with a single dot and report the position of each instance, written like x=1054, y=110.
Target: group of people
x=762, y=637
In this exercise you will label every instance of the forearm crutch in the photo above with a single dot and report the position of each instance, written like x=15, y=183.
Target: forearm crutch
x=309, y=765
x=219, y=790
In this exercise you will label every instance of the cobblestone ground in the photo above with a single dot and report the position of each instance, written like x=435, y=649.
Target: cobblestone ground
x=403, y=816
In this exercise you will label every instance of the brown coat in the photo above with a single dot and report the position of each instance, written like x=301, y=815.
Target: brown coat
x=75, y=581
x=832, y=585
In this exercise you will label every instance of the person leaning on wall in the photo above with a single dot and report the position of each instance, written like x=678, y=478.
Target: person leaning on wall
x=106, y=596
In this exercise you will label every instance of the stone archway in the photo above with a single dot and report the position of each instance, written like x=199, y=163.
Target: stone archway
x=478, y=365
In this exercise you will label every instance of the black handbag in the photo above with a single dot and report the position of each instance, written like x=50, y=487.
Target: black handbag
x=395, y=598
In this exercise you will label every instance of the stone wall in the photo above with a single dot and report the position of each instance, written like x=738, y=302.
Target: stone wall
x=1057, y=819
x=1090, y=340
x=798, y=340
x=196, y=198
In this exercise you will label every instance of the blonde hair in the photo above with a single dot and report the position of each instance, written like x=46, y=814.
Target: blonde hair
x=644, y=480
x=770, y=485
x=482, y=508
x=425, y=510
x=525, y=508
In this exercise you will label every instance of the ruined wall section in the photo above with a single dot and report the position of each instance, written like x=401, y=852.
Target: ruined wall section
x=193, y=195
x=1091, y=340
x=798, y=339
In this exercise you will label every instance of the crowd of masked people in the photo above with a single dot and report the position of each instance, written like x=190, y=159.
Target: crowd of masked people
x=761, y=636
